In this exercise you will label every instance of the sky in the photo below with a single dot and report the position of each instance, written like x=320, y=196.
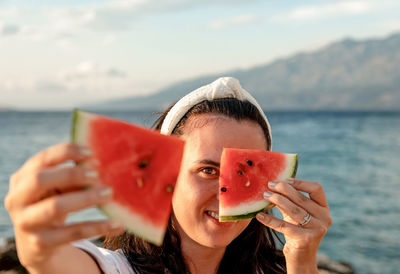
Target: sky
x=62, y=54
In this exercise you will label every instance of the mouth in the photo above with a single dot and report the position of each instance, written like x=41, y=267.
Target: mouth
x=212, y=214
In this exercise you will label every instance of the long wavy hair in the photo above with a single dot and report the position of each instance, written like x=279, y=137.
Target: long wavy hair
x=253, y=251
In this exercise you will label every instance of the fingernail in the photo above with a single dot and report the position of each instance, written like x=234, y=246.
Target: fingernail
x=290, y=181
x=260, y=216
x=271, y=184
x=85, y=151
x=115, y=224
x=105, y=192
x=92, y=174
x=267, y=194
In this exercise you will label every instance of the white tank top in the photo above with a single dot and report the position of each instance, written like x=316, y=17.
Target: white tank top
x=110, y=262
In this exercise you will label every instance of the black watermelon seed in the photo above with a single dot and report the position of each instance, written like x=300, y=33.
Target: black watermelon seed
x=240, y=172
x=250, y=163
x=143, y=163
x=223, y=189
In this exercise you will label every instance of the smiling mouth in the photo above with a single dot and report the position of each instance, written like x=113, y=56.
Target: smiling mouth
x=213, y=214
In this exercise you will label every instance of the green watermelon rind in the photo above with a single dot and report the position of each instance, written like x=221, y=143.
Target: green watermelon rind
x=245, y=216
x=134, y=223
x=79, y=120
x=141, y=228
x=77, y=117
x=230, y=218
x=294, y=170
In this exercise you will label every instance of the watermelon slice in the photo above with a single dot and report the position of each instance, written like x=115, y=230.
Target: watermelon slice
x=244, y=177
x=140, y=165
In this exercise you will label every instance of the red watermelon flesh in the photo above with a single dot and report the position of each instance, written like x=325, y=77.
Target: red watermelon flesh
x=244, y=177
x=140, y=165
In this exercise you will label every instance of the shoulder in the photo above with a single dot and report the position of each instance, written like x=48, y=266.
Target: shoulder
x=110, y=262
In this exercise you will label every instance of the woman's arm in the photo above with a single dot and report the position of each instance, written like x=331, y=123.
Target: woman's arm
x=67, y=259
x=306, y=221
x=41, y=195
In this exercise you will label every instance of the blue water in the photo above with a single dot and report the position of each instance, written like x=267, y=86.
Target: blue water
x=355, y=156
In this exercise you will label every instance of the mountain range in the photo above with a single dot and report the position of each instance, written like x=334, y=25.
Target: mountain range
x=4, y=108
x=345, y=75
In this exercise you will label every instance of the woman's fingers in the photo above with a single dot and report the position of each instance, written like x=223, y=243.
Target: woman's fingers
x=63, y=235
x=287, y=207
x=277, y=224
x=47, y=211
x=56, y=155
x=287, y=190
x=314, y=189
x=51, y=156
x=40, y=183
x=298, y=239
x=306, y=220
x=296, y=206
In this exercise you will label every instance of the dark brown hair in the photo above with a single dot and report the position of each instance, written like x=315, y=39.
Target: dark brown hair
x=253, y=251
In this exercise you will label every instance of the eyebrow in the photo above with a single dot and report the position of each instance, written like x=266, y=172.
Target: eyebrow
x=207, y=162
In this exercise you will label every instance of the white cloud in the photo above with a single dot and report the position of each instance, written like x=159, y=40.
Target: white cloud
x=55, y=24
x=112, y=72
x=127, y=4
x=109, y=39
x=391, y=25
x=62, y=24
x=8, y=12
x=109, y=16
x=11, y=86
x=84, y=74
x=234, y=21
x=67, y=20
x=85, y=82
x=65, y=43
x=338, y=8
x=8, y=29
x=50, y=86
x=88, y=71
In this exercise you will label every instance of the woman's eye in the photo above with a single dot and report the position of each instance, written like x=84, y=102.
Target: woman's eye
x=209, y=171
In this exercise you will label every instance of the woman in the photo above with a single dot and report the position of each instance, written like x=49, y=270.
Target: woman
x=221, y=114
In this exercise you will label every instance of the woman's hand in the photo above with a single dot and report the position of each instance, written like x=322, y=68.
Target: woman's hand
x=302, y=234
x=42, y=193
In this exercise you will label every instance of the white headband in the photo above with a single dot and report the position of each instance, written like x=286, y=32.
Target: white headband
x=224, y=87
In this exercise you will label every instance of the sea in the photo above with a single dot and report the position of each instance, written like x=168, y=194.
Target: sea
x=354, y=155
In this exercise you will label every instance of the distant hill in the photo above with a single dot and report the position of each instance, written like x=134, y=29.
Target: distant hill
x=346, y=75
x=5, y=108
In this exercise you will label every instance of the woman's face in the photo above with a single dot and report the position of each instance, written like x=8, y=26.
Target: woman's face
x=195, y=202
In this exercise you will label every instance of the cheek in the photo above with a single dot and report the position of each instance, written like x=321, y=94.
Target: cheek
x=190, y=197
x=184, y=198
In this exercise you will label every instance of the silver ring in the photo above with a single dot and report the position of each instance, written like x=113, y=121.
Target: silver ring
x=306, y=219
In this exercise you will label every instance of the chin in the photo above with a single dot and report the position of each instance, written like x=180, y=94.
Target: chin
x=217, y=242
x=219, y=239
x=223, y=235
